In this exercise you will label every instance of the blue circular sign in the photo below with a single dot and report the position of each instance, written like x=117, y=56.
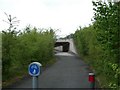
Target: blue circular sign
x=34, y=69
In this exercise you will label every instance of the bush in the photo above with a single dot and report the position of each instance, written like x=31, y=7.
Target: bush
x=20, y=49
x=100, y=43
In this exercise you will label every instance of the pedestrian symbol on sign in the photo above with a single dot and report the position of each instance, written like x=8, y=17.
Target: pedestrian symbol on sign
x=34, y=71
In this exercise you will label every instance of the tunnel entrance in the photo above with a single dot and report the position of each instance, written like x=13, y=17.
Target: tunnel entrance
x=65, y=46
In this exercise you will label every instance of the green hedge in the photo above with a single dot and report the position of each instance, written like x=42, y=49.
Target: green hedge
x=20, y=49
x=99, y=44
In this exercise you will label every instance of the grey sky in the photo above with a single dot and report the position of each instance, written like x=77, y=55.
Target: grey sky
x=66, y=15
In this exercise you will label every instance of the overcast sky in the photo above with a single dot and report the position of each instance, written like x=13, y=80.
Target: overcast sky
x=66, y=15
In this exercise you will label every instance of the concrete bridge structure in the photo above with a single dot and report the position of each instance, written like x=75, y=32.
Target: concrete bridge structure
x=65, y=45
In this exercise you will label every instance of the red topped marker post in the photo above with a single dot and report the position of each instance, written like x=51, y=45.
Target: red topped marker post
x=92, y=79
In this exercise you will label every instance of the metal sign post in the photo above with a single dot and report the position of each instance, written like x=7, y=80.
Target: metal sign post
x=35, y=82
x=34, y=71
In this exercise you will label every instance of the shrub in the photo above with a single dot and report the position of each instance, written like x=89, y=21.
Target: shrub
x=20, y=49
x=100, y=43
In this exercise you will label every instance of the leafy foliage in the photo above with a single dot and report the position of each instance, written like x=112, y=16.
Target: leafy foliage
x=20, y=49
x=100, y=43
